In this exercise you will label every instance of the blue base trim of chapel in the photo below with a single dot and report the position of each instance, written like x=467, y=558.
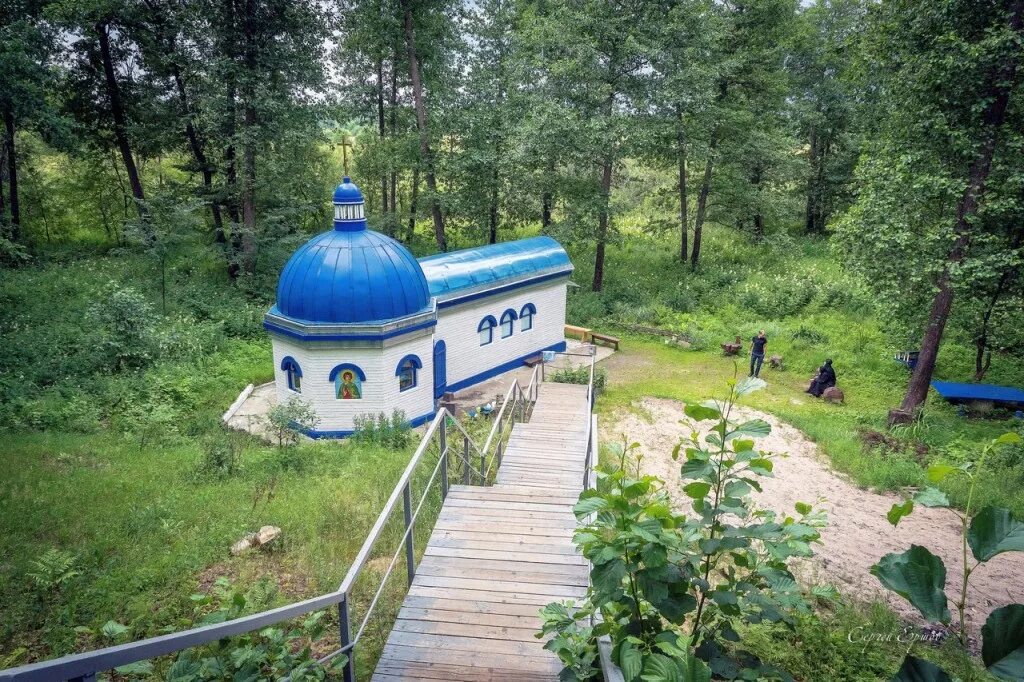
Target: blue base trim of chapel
x=416, y=421
x=500, y=369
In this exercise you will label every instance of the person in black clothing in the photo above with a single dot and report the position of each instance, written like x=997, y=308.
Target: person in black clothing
x=757, y=353
x=825, y=378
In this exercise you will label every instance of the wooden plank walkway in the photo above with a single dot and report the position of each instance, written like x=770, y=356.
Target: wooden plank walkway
x=496, y=556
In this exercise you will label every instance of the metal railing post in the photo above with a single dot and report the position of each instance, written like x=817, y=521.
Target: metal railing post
x=443, y=445
x=345, y=632
x=410, y=557
x=465, y=460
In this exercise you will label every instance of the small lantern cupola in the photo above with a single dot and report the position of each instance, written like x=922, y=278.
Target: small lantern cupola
x=349, y=210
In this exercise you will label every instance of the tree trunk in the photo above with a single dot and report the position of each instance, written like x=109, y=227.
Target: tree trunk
x=702, y=200
x=12, y=176
x=810, y=216
x=120, y=121
x=197, y=145
x=547, y=199
x=981, y=359
x=382, y=132
x=414, y=195
x=999, y=87
x=602, y=224
x=492, y=214
x=393, y=123
x=421, y=125
x=248, y=255
x=755, y=180
x=681, y=153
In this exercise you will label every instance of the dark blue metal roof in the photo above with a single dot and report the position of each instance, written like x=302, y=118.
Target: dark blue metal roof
x=1000, y=394
x=347, y=192
x=490, y=266
x=354, y=276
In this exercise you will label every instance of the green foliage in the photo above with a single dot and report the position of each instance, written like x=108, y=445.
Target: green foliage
x=287, y=421
x=672, y=590
x=390, y=432
x=919, y=576
x=580, y=374
x=124, y=321
x=572, y=640
x=52, y=571
x=270, y=653
x=221, y=457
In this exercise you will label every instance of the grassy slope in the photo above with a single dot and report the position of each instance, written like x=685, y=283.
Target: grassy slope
x=146, y=531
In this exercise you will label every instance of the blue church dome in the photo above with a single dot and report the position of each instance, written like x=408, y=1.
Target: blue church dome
x=351, y=274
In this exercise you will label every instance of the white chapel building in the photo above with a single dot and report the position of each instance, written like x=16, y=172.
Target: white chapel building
x=361, y=326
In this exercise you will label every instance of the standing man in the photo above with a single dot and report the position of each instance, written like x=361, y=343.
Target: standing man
x=757, y=353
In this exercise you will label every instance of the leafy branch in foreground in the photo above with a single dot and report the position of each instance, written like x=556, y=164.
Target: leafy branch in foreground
x=919, y=576
x=670, y=590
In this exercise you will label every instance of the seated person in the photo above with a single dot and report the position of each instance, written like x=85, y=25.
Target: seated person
x=825, y=378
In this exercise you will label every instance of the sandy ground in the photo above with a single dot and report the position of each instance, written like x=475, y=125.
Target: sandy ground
x=857, y=534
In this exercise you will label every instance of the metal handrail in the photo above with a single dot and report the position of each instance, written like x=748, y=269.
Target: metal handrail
x=82, y=667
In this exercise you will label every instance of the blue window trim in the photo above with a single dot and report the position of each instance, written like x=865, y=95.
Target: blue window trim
x=292, y=370
x=347, y=365
x=508, y=317
x=417, y=363
x=488, y=323
x=288, y=362
x=528, y=311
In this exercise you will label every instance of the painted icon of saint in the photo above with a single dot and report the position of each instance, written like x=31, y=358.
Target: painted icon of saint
x=348, y=386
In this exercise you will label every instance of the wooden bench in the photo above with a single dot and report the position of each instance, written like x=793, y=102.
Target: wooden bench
x=604, y=338
x=582, y=333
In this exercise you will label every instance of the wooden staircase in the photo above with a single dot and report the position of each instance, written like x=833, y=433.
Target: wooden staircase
x=496, y=556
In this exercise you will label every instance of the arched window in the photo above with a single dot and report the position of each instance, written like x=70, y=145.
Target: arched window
x=348, y=381
x=508, y=319
x=407, y=370
x=293, y=372
x=486, y=329
x=526, y=317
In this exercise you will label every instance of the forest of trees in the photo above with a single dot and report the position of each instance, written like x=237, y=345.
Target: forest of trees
x=895, y=127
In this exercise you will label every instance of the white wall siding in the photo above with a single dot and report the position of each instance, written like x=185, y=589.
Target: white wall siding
x=457, y=326
x=380, y=390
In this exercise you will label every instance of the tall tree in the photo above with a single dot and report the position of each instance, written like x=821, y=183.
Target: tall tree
x=419, y=100
x=947, y=121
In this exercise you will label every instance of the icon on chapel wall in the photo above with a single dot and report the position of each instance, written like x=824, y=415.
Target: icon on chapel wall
x=347, y=386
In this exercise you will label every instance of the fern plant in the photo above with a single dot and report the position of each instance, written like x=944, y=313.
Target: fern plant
x=52, y=571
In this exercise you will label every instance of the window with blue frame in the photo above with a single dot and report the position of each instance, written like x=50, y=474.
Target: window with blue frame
x=293, y=373
x=526, y=317
x=486, y=330
x=407, y=370
x=508, y=320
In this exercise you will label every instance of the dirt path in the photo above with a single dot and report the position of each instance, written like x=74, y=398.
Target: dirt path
x=858, y=533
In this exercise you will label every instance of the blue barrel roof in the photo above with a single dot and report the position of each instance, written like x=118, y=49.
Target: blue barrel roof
x=490, y=266
x=351, y=276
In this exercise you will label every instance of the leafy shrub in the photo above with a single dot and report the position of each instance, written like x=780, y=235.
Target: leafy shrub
x=919, y=576
x=125, y=322
x=586, y=307
x=671, y=589
x=271, y=653
x=290, y=419
x=221, y=457
x=391, y=432
x=810, y=336
x=580, y=374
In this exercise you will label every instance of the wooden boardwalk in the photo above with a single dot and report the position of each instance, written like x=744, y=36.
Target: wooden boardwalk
x=497, y=555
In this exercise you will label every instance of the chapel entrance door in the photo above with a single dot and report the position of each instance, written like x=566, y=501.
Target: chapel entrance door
x=440, y=371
